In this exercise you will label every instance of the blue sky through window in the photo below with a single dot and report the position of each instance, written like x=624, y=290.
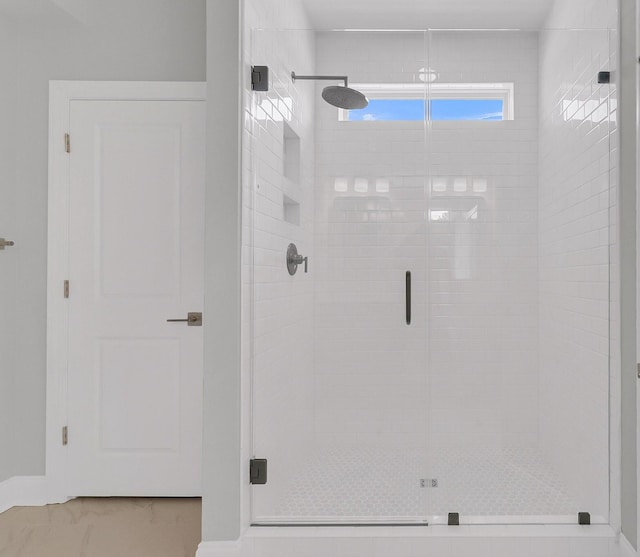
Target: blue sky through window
x=467, y=109
x=441, y=109
x=390, y=110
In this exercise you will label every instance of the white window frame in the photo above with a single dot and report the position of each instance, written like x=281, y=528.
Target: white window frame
x=432, y=91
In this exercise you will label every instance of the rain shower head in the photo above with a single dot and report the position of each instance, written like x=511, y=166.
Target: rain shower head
x=341, y=96
x=344, y=97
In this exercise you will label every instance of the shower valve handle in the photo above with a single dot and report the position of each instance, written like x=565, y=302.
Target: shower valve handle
x=299, y=260
x=294, y=259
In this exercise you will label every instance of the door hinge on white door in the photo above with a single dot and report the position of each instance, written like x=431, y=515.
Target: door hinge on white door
x=66, y=288
x=65, y=435
x=67, y=143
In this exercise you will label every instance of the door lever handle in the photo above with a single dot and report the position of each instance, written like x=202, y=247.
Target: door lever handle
x=194, y=319
x=6, y=243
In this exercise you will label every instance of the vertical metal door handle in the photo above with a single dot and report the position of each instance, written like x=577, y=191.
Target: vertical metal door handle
x=408, y=296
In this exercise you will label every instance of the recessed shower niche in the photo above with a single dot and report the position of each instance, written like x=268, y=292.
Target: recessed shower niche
x=291, y=210
x=291, y=155
x=291, y=172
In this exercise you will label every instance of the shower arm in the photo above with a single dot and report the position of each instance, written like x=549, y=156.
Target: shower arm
x=322, y=78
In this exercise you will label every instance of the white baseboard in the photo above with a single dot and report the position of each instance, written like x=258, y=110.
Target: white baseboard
x=23, y=491
x=626, y=549
x=220, y=549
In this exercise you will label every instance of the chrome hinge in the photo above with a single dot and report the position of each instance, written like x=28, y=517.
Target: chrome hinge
x=66, y=288
x=67, y=143
x=65, y=435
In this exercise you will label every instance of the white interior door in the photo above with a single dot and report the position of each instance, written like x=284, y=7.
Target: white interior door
x=136, y=250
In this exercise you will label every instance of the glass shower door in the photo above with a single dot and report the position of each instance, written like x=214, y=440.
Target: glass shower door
x=339, y=386
x=518, y=275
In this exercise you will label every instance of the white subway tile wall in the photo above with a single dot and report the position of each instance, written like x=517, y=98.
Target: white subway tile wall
x=370, y=369
x=461, y=214
x=277, y=193
x=483, y=286
x=577, y=243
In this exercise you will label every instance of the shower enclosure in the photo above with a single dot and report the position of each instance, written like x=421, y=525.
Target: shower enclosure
x=447, y=355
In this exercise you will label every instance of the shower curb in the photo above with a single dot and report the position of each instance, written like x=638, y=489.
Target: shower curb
x=498, y=541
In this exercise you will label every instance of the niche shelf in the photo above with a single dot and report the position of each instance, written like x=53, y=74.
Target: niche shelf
x=291, y=210
x=291, y=155
x=291, y=172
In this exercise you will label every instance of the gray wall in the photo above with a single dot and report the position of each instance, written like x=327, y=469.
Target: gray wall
x=121, y=40
x=222, y=380
x=8, y=258
x=628, y=179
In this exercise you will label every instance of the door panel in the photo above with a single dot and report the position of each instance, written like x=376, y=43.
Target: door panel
x=151, y=157
x=127, y=368
x=136, y=260
x=339, y=383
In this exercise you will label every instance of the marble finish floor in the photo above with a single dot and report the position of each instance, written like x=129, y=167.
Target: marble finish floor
x=103, y=527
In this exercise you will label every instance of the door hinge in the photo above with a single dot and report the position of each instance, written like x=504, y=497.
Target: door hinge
x=258, y=471
x=66, y=288
x=67, y=143
x=65, y=435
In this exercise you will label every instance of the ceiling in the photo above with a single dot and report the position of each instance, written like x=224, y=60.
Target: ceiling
x=369, y=14
x=423, y=14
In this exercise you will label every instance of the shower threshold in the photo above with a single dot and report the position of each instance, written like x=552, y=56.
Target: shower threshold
x=339, y=524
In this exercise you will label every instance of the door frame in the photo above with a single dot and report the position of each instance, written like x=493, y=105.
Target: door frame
x=61, y=93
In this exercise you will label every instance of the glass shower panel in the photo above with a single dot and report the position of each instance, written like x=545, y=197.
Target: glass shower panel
x=339, y=385
x=518, y=275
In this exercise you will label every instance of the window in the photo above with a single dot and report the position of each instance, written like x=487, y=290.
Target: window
x=446, y=102
x=380, y=110
x=467, y=109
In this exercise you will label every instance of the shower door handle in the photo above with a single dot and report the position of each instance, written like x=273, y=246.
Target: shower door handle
x=408, y=296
